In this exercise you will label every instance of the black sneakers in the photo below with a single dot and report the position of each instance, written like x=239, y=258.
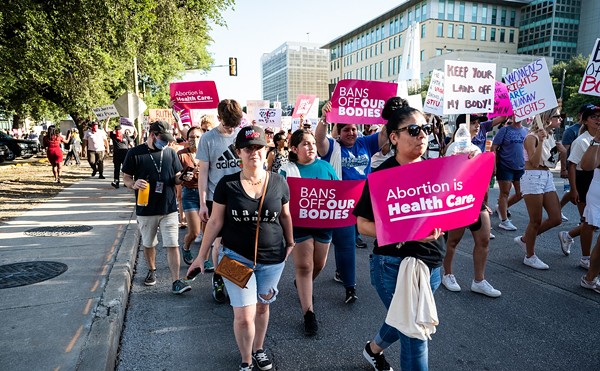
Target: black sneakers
x=261, y=360
x=360, y=243
x=115, y=184
x=150, y=278
x=179, y=287
x=350, y=295
x=218, y=292
x=310, y=324
x=376, y=360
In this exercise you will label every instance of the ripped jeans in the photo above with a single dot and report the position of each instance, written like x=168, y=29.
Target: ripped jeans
x=263, y=282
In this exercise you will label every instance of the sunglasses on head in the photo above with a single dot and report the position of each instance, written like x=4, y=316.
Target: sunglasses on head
x=414, y=130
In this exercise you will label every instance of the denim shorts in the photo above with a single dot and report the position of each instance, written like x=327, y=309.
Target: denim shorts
x=322, y=235
x=169, y=229
x=537, y=182
x=264, y=281
x=190, y=201
x=506, y=174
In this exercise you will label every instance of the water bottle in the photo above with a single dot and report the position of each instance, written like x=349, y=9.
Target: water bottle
x=462, y=139
x=566, y=185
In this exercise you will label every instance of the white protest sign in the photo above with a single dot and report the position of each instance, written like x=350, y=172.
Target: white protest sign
x=415, y=101
x=312, y=122
x=468, y=87
x=269, y=117
x=591, y=76
x=106, y=111
x=434, y=101
x=530, y=89
x=252, y=107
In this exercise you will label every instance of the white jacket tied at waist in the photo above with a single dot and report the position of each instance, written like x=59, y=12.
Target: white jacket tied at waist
x=412, y=310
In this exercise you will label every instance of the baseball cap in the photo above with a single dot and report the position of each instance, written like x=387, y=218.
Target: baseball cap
x=250, y=136
x=268, y=130
x=462, y=118
x=585, y=107
x=162, y=130
x=590, y=110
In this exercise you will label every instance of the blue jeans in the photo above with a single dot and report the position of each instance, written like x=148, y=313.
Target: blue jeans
x=344, y=241
x=384, y=273
x=264, y=281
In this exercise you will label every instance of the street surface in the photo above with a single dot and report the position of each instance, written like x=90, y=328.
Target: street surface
x=543, y=321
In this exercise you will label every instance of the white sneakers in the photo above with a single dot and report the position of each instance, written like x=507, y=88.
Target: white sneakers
x=520, y=243
x=507, y=225
x=592, y=285
x=566, y=242
x=584, y=263
x=534, y=262
x=483, y=287
x=449, y=281
x=563, y=217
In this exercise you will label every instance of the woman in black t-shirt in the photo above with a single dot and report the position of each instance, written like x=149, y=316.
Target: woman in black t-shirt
x=408, y=132
x=235, y=211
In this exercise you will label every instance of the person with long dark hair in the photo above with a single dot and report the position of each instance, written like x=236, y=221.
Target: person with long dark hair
x=52, y=143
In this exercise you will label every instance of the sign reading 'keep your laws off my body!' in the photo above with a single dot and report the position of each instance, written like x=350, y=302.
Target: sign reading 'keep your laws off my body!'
x=468, y=87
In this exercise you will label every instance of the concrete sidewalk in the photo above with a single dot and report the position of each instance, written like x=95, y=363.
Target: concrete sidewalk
x=71, y=321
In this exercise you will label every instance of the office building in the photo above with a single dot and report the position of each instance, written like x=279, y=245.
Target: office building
x=293, y=69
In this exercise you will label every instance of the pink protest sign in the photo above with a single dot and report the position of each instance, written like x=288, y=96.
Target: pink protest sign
x=316, y=203
x=410, y=201
x=502, y=106
x=194, y=94
x=360, y=101
x=307, y=106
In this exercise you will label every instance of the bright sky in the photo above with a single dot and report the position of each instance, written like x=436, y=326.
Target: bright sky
x=260, y=26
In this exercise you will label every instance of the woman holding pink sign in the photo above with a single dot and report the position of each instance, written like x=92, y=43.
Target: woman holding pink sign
x=350, y=156
x=541, y=152
x=312, y=244
x=408, y=135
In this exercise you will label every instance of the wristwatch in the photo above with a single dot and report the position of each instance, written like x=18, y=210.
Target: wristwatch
x=594, y=143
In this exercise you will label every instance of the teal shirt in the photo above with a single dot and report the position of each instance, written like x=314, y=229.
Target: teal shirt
x=319, y=169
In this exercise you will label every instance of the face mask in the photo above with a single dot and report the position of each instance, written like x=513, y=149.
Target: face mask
x=160, y=144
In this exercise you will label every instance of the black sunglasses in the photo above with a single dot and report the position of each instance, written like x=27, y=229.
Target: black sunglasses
x=414, y=130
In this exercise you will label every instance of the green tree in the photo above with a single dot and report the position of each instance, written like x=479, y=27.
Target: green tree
x=67, y=57
x=571, y=99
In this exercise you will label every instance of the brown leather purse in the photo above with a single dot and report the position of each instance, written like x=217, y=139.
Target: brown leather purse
x=233, y=270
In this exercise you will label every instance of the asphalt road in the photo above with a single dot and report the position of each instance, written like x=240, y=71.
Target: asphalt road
x=543, y=321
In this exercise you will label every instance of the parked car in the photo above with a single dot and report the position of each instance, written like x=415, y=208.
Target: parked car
x=3, y=152
x=18, y=147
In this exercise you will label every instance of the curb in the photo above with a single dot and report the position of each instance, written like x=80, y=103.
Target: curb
x=102, y=344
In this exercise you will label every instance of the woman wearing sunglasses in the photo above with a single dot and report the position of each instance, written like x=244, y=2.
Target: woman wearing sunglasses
x=408, y=133
x=279, y=155
x=350, y=156
x=480, y=230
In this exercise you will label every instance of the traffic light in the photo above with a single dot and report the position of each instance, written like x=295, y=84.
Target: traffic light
x=232, y=66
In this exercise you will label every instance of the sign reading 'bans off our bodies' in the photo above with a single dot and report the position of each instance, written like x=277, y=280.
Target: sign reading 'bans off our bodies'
x=316, y=203
x=195, y=94
x=591, y=76
x=360, y=101
x=410, y=201
x=530, y=89
x=468, y=87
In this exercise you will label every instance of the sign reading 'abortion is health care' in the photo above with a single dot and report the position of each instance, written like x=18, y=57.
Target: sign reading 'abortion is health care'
x=468, y=87
x=530, y=89
x=316, y=203
x=360, y=101
x=410, y=201
x=195, y=94
x=591, y=76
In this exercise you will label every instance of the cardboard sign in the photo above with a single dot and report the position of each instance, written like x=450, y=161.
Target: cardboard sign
x=195, y=94
x=410, y=201
x=316, y=203
x=591, y=76
x=360, y=101
x=502, y=106
x=530, y=89
x=468, y=87
x=161, y=115
x=106, y=112
x=434, y=101
x=307, y=106
x=252, y=107
x=270, y=117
